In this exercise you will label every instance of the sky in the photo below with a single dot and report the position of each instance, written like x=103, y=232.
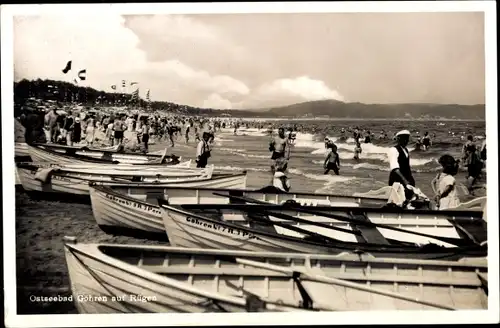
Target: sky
x=244, y=61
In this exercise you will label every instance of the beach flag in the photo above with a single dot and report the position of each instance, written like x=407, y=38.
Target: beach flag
x=82, y=74
x=67, y=68
x=132, y=83
x=124, y=83
x=135, y=95
x=113, y=87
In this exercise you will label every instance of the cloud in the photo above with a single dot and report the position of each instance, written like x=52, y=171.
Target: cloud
x=282, y=91
x=196, y=43
x=215, y=101
x=202, y=79
x=109, y=50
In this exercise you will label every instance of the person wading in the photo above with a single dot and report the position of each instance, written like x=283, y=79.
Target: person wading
x=279, y=147
x=399, y=161
x=203, y=151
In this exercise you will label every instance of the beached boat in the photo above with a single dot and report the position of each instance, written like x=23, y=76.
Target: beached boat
x=68, y=185
x=134, y=211
x=48, y=154
x=197, y=226
x=74, y=181
x=169, y=279
x=104, y=153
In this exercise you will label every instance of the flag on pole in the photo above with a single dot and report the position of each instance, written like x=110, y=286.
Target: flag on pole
x=82, y=74
x=147, y=96
x=67, y=68
x=135, y=95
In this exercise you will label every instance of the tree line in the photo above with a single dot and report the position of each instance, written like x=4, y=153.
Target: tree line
x=65, y=92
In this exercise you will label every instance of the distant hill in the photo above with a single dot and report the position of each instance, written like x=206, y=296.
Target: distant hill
x=338, y=109
x=64, y=92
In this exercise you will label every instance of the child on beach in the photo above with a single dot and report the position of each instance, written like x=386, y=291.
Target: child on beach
x=332, y=161
x=280, y=180
x=444, y=184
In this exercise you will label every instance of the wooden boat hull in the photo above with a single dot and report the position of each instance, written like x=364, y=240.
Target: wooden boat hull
x=74, y=183
x=102, y=284
x=170, y=273
x=43, y=154
x=125, y=158
x=114, y=210
x=118, y=207
x=191, y=230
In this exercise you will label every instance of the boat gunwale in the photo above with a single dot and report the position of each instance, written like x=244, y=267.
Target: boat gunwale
x=270, y=206
x=56, y=169
x=280, y=192
x=94, y=160
x=347, y=256
x=85, y=148
x=474, y=215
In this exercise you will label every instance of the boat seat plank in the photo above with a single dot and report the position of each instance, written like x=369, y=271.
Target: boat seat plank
x=369, y=234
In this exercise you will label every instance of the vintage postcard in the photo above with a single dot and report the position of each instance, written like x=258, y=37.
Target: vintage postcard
x=250, y=163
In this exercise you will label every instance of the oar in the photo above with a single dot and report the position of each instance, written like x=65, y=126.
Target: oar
x=300, y=220
x=453, y=241
x=340, y=282
x=296, y=229
x=449, y=240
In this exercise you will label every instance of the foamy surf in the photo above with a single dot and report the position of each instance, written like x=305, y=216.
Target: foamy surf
x=328, y=178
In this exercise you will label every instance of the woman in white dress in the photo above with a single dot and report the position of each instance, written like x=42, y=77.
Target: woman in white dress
x=89, y=132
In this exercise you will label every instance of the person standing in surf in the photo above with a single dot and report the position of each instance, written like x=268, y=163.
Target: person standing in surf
x=332, y=161
x=472, y=159
x=399, y=163
x=280, y=148
x=426, y=141
x=357, y=150
x=203, y=151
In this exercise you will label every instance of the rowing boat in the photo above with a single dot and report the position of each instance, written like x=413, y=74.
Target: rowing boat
x=108, y=154
x=196, y=227
x=70, y=186
x=41, y=154
x=134, y=211
x=203, y=280
x=59, y=180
